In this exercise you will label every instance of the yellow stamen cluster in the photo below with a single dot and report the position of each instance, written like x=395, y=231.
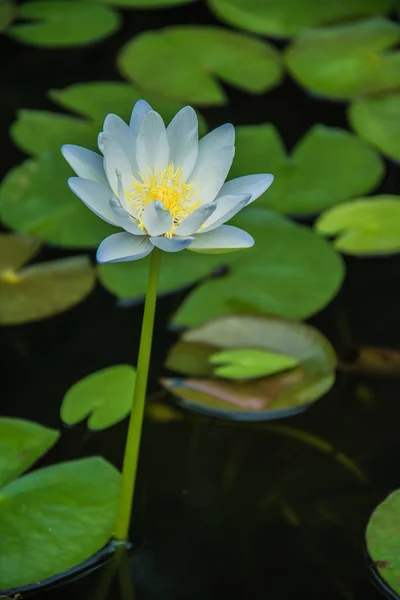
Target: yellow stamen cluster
x=167, y=186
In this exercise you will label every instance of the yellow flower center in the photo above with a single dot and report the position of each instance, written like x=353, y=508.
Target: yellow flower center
x=167, y=186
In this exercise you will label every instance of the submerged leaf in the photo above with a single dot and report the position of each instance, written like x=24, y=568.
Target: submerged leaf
x=54, y=518
x=45, y=289
x=283, y=18
x=378, y=362
x=22, y=443
x=288, y=272
x=7, y=13
x=347, y=60
x=195, y=58
x=364, y=226
x=250, y=363
x=279, y=395
x=377, y=120
x=383, y=540
x=104, y=397
x=61, y=23
x=143, y=3
x=35, y=199
x=305, y=182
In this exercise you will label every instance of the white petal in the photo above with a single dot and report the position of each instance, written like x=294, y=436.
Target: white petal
x=123, y=219
x=116, y=161
x=223, y=238
x=171, y=244
x=214, y=159
x=183, y=136
x=96, y=197
x=139, y=112
x=227, y=207
x=156, y=218
x=152, y=144
x=194, y=221
x=121, y=247
x=124, y=136
x=85, y=163
x=255, y=185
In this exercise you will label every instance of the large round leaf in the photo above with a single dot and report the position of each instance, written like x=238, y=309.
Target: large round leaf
x=377, y=120
x=15, y=251
x=347, y=60
x=279, y=395
x=364, y=226
x=289, y=272
x=383, y=540
x=44, y=290
x=195, y=58
x=178, y=270
x=61, y=23
x=35, y=199
x=54, y=518
x=96, y=99
x=327, y=166
x=104, y=397
x=283, y=18
x=22, y=443
x=7, y=12
x=37, y=131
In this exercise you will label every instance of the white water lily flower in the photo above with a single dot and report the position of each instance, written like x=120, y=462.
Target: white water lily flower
x=163, y=186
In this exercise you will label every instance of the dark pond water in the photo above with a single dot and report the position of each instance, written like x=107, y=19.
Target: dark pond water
x=232, y=510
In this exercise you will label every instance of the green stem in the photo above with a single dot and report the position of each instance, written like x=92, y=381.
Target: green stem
x=131, y=455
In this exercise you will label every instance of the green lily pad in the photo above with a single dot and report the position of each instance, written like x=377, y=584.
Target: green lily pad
x=288, y=273
x=250, y=363
x=377, y=120
x=58, y=23
x=347, y=60
x=383, y=540
x=96, y=99
x=284, y=18
x=7, y=13
x=16, y=250
x=144, y=3
x=306, y=182
x=279, y=395
x=55, y=518
x=22, y=443
x=129, y=280
x=194, y=58
x=104, y=397
x=364, y=226
x=35, y=199
x=38, y=131
x=44, y=290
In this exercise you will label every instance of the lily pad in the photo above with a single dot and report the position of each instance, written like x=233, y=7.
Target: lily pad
x=96, y=99
x=22, y=443
x=284, y=18
x=7, y=12
x=288, y=273
x=195, y=58
x=55, y=518
x=278, y=395
x=37, y=131
x=44, y=290
x=35, y=199
x=16, y=250
x=104, y=397
x=58, y=23
x=250, y=363
x=364, y=226
x=305, y=182
x=144, y=3
x=383, y=540
x=348, y=60
x=377, y=120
